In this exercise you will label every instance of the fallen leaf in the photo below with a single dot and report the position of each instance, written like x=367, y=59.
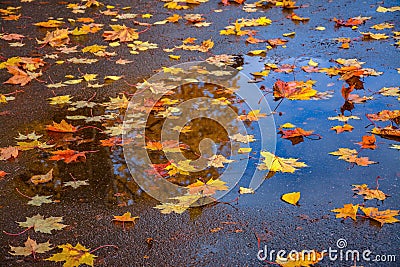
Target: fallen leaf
x=368, y=141
x=68, y=156
x=244, y=150
x=351, y=155
x=39, y=200
x=60, y=100
x=75, y=184
x=31, y=247
x=291, y=198
x=56, y=38
x=348, y=211
x=8, y=153
x=208, y=188
x=44, y=178
x=121, y=32
x=294, y=90
x=342, y=128
x=62, y=127
x=242, y=138
x=363, y=190
x=384, y=216
x=244, y=190
x=303, y=258
x=51, y=23
x=126, y=217
x=279, y=164
x=218, y=160
x=40, y=224
x=73, y=255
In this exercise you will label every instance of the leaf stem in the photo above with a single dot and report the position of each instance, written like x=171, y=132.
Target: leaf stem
x=17, y=234
x=22, y=194
x=103, y=246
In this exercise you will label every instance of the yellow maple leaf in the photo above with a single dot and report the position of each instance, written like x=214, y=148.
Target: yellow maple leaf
x=291, y=198
x=73, y=255
x=348, y=210
x=208, y=188
x=58, y=37
x=50, y=23
x=60, y=100
x=384, y=216
x=278, y=164
x=94, y=48
x=368, y=193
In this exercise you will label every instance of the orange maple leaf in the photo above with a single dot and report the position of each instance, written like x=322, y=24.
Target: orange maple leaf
x=345, y=128
x=3, y=173
x=62, y=127
x=368, y=141
x=294, y=90
x=20, y=76
x=123, y=33
x=68, y=156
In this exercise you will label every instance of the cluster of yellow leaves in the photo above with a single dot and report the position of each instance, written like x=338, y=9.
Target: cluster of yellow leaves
x=277, y=164
x=236, y=28
x=351, y=155
x=350, y=211
x=182, y=4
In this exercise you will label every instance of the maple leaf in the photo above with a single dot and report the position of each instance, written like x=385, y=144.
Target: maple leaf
x=277, y=41
x=208, y=188
x=350, y=155
x=126, y=217
x=39, y=200
x=304, y=258
x=68, y=156
x=253, y=115
x=242, y=138
x=296, y=135
x=348, y=210
x=32, y=145
x=30, y=136
x=19, y=76
x=368, y=141
x=75, y=184
x=57, y=37
x=44, y=178
x=384, y=216
x=351, y=21
x=60, y=100
x=368, y=193
x=218, y=160
x=51, y=23
x=123, y=33
x=385, y=115
x=279, y=164
x=387, y=132
x=40, y=224
x=8, y=152
x=31, y=247
x=73, y=256
x=294, y=90
x=291, y=198
x=167, y=208
x=375, y=36
x=342, y=128
x=62, y=127
x=296, y=17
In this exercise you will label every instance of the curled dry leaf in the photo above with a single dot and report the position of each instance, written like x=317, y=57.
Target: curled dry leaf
x=40, y=179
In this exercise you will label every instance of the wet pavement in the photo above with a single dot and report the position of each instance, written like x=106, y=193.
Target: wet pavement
x=214, y=235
